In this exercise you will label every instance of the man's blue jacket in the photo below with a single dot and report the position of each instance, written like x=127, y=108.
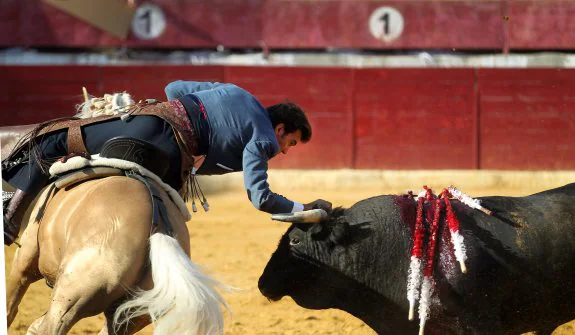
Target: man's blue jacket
x=241, y=138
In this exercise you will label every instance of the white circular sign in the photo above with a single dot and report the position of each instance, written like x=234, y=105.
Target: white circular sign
x=148, y=22
x=386, y=24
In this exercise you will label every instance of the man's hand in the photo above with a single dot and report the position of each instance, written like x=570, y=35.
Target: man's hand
x=318, y=204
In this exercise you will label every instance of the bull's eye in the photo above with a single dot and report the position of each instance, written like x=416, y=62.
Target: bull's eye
x=294, y=241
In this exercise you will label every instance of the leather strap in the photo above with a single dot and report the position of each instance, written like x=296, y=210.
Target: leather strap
x=75, y=142
x=71, y=122
x=159, y=210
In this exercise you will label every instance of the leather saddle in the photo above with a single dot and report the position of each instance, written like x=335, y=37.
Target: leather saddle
x=138, y=151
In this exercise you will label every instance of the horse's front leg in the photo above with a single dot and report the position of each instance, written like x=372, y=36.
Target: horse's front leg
x=24, y=270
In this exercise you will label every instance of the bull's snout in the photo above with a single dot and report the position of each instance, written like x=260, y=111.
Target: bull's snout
x=267, y=290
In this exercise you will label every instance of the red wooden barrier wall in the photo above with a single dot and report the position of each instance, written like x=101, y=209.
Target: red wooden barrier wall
x=461, y=24
x=31, y=94
x=362, y=118
x=415, y=118
x=527, y=119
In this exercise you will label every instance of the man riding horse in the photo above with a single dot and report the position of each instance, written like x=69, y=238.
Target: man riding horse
x=222, y=124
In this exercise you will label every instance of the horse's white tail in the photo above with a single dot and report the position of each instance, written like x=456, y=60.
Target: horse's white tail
x=183, y=300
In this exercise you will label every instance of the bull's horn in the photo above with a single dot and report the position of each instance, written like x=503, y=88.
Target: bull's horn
x=311, y=216
x=86, y=98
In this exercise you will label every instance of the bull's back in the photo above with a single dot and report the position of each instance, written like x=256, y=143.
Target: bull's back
x=521, y=258
x=538, y=229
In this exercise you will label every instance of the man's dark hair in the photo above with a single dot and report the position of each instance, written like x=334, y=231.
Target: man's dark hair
x=293, y=118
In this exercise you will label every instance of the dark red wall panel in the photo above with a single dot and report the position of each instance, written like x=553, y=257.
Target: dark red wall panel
x=209, y=23
x=31, y=94
x=39, y=24
x=527, y=119
x=541, y=24
x=325, y=95
x=345, y=24
x=235, y=23
x=149, y=81
x=414, y=118
x=10, y=22
x=318, y=24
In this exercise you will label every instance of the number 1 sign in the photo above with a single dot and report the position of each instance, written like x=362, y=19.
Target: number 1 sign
x=149, y=22
x=386, y=24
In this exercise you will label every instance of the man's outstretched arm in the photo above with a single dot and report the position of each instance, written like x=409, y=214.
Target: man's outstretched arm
x=255, y=166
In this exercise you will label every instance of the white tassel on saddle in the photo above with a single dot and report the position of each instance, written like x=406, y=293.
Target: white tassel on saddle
x=109, y=104
x=183, y=299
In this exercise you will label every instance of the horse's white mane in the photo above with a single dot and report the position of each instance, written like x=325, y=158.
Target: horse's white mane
x=109, y=104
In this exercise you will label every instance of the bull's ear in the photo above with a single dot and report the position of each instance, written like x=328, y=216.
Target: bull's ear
x=318, y=231
x=339, y=232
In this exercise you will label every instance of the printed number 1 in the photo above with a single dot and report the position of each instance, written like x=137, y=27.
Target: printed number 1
x=148, y=17
x=385, y=19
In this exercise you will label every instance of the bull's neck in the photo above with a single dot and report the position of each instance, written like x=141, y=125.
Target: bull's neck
x=381, y=258
x=378, y=312
x=377, y=293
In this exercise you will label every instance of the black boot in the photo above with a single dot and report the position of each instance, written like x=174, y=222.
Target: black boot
x=13, y=214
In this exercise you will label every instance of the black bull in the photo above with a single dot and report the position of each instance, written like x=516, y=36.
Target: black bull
x=520, y=266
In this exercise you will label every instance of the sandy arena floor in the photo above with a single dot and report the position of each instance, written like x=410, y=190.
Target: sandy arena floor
x=233, y=242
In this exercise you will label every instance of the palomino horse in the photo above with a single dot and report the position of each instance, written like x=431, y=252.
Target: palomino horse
x=96, y=246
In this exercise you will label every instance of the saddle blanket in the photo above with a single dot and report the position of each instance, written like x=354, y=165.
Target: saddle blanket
x=78, y=162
